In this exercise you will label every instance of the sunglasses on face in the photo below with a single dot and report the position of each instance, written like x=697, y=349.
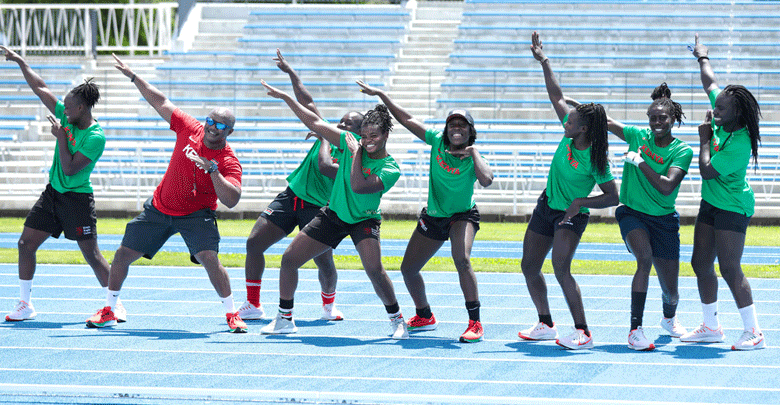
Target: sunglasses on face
x=220, y=126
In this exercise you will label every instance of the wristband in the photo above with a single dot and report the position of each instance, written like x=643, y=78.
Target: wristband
x=546, y=59
x=213, y=167
x=132, y=79
x=633, y=157
x=703, y=57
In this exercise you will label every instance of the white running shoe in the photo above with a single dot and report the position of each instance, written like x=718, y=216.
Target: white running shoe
x=249, y=311
x=750, y=340
x=673, y=326
x=120, y=313
x=576, y=340
x=279, y=326
x=21, y=311
x=703, y=335
x=539, y=332
x=638, y=341
x=398, y=328
x=331, y=313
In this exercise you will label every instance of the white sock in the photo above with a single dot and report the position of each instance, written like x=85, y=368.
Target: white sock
x=227, y=302
x=25, y=290
x=111, y=298
x=395, y=315
x=710, y=313
x=749, y=318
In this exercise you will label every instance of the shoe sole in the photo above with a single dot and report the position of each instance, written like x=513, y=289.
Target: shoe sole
x=422, y=328
x=639, y=349
x=524, y=337
x=705, y=340
x=464, y=340
x=91, y=324
x=402, y=337
x=238, y=330
x=251, y=317
x=9, y=319
x=585, y=346
x=761, y=345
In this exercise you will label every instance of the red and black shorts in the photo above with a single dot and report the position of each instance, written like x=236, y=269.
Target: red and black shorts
x=438, y=228
x=288, y=210
x=72, y=213
x=327, y=228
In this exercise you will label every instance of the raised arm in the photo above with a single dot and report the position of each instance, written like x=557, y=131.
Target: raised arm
x=407, y=120
x=301, y=93
x=616, y=127
x=328, y=131
x=35, y=81
x=153, y=96
x=553, y=88
x=708, y=81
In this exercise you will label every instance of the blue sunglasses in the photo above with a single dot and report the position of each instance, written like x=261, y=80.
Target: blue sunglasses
x=220, y=126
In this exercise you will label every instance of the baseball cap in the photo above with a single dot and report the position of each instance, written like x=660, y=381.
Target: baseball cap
x=460, y=113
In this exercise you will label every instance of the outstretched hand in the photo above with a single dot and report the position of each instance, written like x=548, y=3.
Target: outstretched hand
x=705, y=128
x=699, y=50
x=352, y=144
x=122, y=67
x=536, y=47
x=366, y=89
x=11, y=55
x=273, y=91
x=56, y=128
x=461, y=153
x=281, y=63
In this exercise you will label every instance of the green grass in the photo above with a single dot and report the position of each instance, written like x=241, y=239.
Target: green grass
x=396, y=229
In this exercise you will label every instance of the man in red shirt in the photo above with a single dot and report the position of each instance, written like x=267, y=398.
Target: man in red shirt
x=202, y=170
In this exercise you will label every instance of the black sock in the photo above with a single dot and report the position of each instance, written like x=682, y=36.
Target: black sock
x=637, y=308
x=546, y=319
x=286, y=305
x=424, y=312
x=473, y=308
x=584, y=327
x=669, y=310
x=393, y=308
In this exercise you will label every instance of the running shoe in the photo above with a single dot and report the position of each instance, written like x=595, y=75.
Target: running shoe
x=22, y=311
x=703, y=335
x=473, y=333
x=120, y=312
x=235, y=324
x=539, y=332
x=398, y=328
x=420, y=324
x=673, y=326
x=101, y=319
x=280, y=326
x=576, y=340
x=638, y=341
x=331, y=313
x=249, y=311
x=750, y=340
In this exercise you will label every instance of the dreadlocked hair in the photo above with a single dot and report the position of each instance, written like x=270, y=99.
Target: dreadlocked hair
x=662, y=96
x=380, y=117
x=87, y=92
x=594, y=116
x=748, y=114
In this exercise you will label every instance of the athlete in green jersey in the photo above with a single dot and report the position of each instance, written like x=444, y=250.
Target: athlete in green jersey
x=561, y=214
x=726, y=144
x=455, y=165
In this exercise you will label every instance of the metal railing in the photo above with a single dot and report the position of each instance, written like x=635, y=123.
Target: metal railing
x=88, y=29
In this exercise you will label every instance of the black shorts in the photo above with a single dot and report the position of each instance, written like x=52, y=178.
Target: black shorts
x=544, y=220
x=149, y=231
x=722, y=220
x=438, y=228
x=327, y=228
x=288, y=210
x=663, y=231
x=72, y=213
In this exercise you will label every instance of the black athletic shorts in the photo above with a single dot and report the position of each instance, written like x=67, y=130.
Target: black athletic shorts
x=327, y=228
x=438, y=228
x=663, y=231
x=544, y=220
x=722, y=220
x=288, y=210
x=149, y=231
x=71, y=213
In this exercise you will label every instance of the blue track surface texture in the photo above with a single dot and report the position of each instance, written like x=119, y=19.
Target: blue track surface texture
x=175, y=347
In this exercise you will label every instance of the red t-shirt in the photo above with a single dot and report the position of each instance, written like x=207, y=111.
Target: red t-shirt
x=184, y=188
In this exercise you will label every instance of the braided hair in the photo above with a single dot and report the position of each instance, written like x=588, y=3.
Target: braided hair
x=380, y=117
x=87, y=92
x=662, y=96
x=594, y=116
x=748, y=114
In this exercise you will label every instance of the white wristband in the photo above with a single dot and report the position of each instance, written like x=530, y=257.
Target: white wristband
x=633, y=157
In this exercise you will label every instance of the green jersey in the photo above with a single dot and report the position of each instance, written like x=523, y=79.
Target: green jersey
x=350, y=206
x=572, y=175
x=730, y=156
x=307, y=182
x=451, y=179
x=90, y=142
x=635, y=190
